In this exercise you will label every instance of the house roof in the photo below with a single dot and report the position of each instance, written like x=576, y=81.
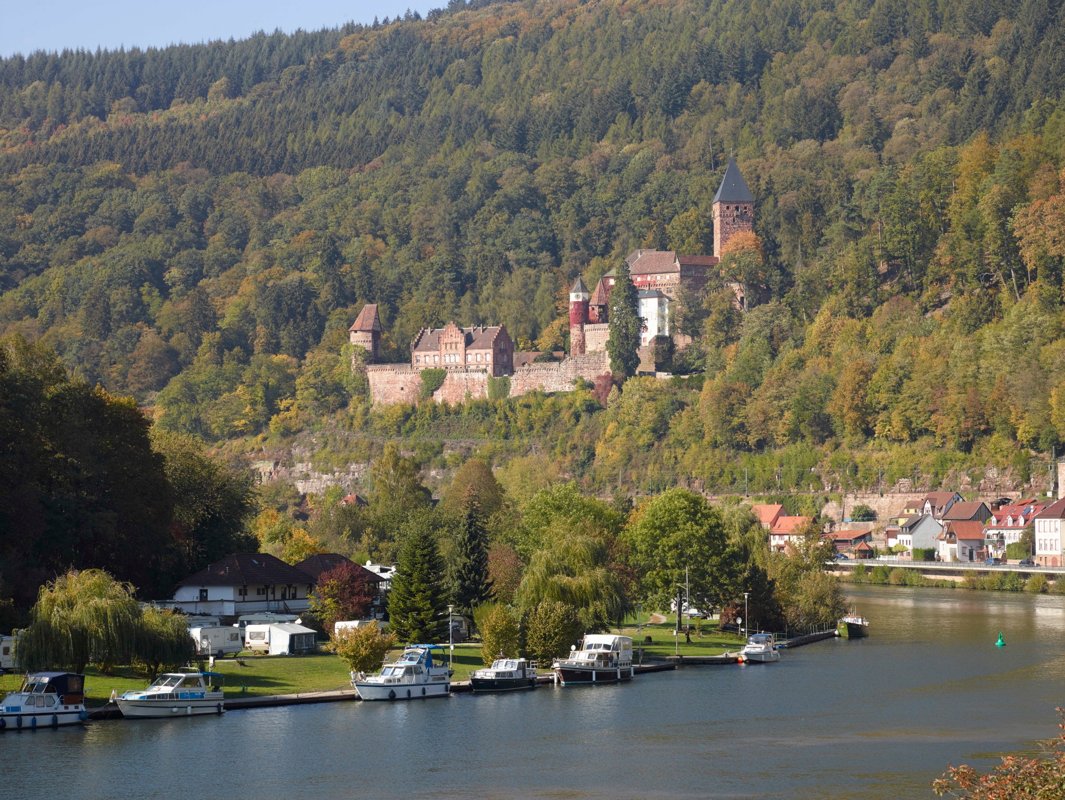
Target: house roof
x=652, y=262
x=964, y=529
x=247, y=569
x=368, y=319
x=478, y=337
x=649, y=294
x=323, y=562
x=697, y=261
x=767, y=513
x=939, y=499
x=733, y=188
x=525, y=357
x=786, y=526
x=1021, y=510
x=847, y=535
x=1053, y=511
x=964, y=510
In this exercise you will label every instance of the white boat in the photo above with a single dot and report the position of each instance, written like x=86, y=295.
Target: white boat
x=852, y=626
x=761, y=648
x=46, y=700
x=505, y=675
x=603, y=658
x=175, y=694
x=413, y=676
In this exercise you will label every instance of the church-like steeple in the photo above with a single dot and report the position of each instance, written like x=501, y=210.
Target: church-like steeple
x=733, y=207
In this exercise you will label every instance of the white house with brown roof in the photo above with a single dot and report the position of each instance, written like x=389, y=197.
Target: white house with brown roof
x=785, y=531
x=1050, y=536
x=244, y=583
x=938, y=503
x=767, y=513
x=962, y=540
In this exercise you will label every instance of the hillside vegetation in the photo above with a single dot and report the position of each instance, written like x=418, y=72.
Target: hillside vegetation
x=197, y=227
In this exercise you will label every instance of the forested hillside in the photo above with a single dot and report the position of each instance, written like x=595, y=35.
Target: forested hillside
x=197, y=227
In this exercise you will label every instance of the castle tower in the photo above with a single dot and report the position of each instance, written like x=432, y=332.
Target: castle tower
x=733, y=207
x=578, y=316
x=366, y=331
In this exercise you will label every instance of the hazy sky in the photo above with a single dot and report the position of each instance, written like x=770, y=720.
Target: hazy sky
x=29, y=25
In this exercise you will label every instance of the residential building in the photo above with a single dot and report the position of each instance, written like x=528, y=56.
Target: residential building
x=244, y=583
x=1007, y=524
x=921, y=532
x=962, y=540
x=786, y=531
x=767, y=514
x=1049, y=538
x=938, y=503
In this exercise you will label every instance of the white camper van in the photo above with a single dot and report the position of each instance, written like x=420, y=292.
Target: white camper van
x=217, y=640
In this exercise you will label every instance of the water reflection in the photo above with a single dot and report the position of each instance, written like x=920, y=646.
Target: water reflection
x=873, y=718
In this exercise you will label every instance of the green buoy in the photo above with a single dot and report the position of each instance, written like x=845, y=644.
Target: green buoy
x=1001, y=642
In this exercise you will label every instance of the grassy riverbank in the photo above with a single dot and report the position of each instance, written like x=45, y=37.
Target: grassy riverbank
x=258, y=676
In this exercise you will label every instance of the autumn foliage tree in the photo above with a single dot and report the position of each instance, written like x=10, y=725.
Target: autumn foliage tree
x=342, y=593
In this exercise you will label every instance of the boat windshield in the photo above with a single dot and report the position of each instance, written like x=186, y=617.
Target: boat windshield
x=168, y=681
x=37, y=686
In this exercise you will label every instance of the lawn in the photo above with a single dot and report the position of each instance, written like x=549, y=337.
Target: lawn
x=253, y=675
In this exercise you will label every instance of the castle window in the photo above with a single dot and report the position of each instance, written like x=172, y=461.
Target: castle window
x=436, y=359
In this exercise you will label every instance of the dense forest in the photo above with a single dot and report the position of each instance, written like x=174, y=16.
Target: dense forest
x=197, y=226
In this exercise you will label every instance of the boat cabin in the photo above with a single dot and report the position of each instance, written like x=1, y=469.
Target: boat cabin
x=55, y=688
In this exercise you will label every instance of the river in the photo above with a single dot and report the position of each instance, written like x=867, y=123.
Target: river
x=873, y=718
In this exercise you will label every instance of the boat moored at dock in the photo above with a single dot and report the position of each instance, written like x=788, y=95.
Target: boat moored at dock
x=603, y=658
x=413, y=676
x=852, y=626
x=175, y=694
x=505, y=675
x=761, y=648
x=46, y=700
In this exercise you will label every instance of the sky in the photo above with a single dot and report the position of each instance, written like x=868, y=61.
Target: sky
x=30, y=25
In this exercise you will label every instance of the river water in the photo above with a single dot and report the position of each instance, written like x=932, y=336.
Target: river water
x=873, y=718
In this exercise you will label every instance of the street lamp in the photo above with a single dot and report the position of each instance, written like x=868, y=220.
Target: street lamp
x=745, y=614
x=450, y=639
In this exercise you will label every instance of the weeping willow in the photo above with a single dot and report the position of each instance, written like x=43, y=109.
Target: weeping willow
x=574, y=571
x=163, y=641
x=81, y=617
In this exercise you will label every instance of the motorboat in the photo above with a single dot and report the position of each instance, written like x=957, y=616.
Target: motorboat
x=603, y=658
x=852, y=626
x=761, y=648
x=505, y=675
x=175, y=694
x=46, y=700
x=413, y=676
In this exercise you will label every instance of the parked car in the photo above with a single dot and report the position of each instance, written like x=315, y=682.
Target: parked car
x=992, y=562
x=1026, y=562
x=840, y=557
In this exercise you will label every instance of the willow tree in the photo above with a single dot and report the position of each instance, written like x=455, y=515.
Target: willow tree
x=574, y=570
x=81, y=617
x=164, y=641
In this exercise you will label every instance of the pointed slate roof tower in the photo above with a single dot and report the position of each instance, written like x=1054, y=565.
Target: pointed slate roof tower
x=366, y=330
x=733, y=207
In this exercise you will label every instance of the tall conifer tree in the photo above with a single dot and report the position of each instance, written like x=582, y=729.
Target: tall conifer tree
x=625, y=323
x=417, y=603
x=472, y=584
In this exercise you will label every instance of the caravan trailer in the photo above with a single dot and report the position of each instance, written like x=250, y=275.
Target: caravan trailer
x=261, y=618
x=280, y=639
x=217, y=640
x=7, y=654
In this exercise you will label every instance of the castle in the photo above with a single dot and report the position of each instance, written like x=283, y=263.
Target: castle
x=659, y=275
x=472, y=357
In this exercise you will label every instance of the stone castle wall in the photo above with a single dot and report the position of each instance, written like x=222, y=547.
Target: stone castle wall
x=401, y=383
x=595, y=336
x=393, y=383
x=460, y=385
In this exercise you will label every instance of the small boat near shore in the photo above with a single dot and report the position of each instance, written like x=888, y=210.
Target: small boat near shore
x=46, y=700
x=603, y=658
x=852, y=626
x=175, y=694
x=505, y=675
x=761, y=648
x=413, y=676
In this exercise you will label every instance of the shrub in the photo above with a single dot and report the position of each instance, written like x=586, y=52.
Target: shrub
x=498, y=388
x=924, y=554
x=879, y=574
x=863, y=513
x=499, y=628
x=432, y=379
x=364, y=648
x=1037, y=584
x=1018, y=550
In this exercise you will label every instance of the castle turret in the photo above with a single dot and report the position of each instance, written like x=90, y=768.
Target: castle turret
x=366, y=331
x=733, y=207
x=578, y=316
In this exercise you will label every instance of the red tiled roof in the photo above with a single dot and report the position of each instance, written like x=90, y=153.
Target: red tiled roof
x=601, y=295
x=965, y=529
x=1054, y=511
x=652, y=262
x=368, y=320
x=963, y=510
x=846, y=536
x=785, y=526
x=767, y=513
x=939, y=499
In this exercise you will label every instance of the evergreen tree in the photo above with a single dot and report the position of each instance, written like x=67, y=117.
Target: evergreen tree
x=417, y=601
x=472, y=586
x=625, y=324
